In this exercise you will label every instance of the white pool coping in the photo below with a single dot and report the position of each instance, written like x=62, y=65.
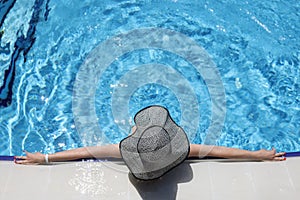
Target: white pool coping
x=201, y=179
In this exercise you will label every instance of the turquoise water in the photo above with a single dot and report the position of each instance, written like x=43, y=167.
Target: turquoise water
x=252, y=48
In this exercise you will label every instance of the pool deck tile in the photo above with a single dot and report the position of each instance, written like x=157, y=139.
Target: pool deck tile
x=204, y=179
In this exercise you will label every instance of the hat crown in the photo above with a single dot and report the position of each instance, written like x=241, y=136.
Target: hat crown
x=152, y=116
x=154, y=144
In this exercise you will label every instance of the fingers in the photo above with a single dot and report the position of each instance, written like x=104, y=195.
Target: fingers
x=25, y=160
x=21, y=161
x=279, y=158
x=21, y=157
x=280, y=154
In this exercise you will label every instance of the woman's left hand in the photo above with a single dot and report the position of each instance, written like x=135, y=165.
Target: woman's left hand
x=30, y=159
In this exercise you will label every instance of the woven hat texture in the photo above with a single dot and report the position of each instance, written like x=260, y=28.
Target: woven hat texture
x=157, y=145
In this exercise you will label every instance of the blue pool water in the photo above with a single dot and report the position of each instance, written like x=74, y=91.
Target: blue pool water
x=74, y=73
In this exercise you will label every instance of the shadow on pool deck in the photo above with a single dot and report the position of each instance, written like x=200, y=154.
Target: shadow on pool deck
x=165, y=187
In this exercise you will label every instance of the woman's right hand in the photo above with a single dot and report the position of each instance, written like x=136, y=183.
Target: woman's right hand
x=30, y=159
x=270, y=155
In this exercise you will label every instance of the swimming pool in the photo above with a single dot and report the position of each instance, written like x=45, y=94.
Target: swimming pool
x=74, y=73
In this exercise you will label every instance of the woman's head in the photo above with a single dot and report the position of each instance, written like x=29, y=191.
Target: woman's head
x=157, y=144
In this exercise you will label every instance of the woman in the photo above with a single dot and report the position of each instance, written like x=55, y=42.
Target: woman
x=159, y=115
x=112, y=151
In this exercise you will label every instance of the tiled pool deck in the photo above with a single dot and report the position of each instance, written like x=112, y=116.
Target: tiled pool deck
x=194, y=179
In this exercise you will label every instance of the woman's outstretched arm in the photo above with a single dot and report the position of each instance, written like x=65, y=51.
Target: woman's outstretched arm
x=74, y=154
x=196, y=150
x=201, y=151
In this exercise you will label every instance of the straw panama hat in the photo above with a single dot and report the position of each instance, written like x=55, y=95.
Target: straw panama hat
x=157, y=145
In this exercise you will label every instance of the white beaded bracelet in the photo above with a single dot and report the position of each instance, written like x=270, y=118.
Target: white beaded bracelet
x=46, y=159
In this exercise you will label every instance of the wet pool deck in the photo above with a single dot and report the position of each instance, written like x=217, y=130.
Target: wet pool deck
x=194, y=179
